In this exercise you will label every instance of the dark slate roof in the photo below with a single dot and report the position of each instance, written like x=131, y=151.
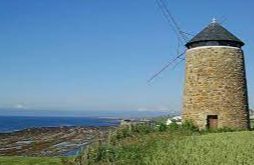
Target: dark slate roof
x=215, y=32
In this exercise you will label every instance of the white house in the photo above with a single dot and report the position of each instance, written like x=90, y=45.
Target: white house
x=176, y=119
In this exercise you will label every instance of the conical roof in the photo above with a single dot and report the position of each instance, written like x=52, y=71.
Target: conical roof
x=214, y=32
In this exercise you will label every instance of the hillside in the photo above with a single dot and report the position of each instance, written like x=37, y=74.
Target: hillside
x=163, y=146
x=177, y=147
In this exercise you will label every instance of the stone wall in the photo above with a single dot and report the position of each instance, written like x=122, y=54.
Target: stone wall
x=215, y=84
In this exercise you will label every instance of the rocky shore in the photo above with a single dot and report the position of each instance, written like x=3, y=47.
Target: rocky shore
x=50, y=141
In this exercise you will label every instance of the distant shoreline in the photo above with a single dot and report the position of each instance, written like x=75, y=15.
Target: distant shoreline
x=14, y=123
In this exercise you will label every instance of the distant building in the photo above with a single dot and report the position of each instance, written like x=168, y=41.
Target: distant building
x=169, y=121
x=176, y=119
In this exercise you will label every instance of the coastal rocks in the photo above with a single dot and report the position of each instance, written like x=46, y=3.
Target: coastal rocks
x=50, y=141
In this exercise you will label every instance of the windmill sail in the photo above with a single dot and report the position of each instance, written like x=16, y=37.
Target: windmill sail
x=181, y=38
x=170, y=63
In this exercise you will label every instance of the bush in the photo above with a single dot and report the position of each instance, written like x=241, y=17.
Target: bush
x=188, y=125
x=120, y=133
x=130, y=131
x=174, y=126
x=142, y=128
x=162, y=127
x=123, y=132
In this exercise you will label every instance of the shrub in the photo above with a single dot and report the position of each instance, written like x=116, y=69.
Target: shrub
x=174, y=126
x=142, y=128
x=120, y=133
x=162, y=127
x=189, y=125
x=131, y=130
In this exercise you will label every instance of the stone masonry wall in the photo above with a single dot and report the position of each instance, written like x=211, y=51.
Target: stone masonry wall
x=215, y=84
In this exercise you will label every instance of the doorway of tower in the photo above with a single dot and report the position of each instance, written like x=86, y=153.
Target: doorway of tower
x=212, y=121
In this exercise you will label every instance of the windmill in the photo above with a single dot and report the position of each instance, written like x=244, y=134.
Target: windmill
x=215, y=87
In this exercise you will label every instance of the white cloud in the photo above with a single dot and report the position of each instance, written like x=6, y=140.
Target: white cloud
x=143, y=109
x=156, y=108
x=20, y=106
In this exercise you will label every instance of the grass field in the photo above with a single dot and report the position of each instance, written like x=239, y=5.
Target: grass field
x=232, y=148
x=165, y=148
x=13, y=160
x=157, y=147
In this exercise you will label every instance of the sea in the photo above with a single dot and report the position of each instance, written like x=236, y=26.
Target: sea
x=17, y=123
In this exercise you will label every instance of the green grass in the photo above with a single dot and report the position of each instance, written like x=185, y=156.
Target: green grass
x=232, y=148
x=146, y=145
x=15, y=160
x=178, y=148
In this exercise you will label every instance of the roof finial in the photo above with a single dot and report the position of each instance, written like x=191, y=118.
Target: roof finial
x=214, y=20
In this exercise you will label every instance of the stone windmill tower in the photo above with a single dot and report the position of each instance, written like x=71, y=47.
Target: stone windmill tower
x=215, y=89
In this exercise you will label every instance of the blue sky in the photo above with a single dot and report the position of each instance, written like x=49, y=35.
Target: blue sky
x=98, y=55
